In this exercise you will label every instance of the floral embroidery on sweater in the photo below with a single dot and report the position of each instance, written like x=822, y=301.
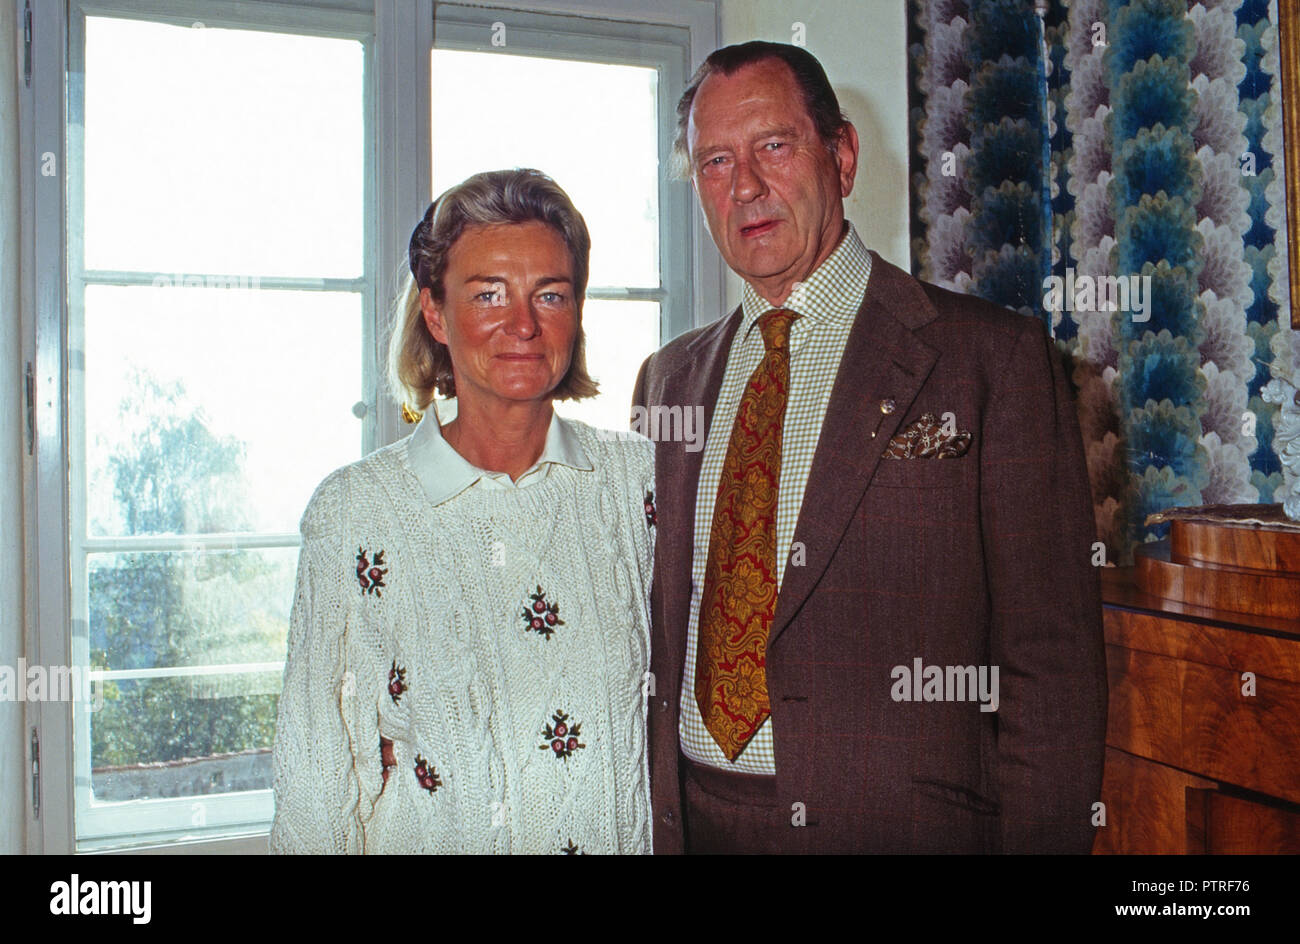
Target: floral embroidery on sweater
x=370, y=574
x=572, y=849
x=561, y=738
x=541, y=616
x=427, y=774
x=396, y=682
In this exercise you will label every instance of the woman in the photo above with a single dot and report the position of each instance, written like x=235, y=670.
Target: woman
x=471, y=631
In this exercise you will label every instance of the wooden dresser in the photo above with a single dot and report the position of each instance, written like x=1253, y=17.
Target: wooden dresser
x=1203, y=656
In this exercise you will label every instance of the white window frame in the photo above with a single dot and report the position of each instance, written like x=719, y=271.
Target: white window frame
x=103, y=824
x=399, y=36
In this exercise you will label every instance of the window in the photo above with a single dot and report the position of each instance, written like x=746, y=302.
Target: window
x=217, y=315
x=212, y=282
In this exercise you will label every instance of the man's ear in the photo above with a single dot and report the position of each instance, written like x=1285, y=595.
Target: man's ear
x=432, y=316
x=846, y=154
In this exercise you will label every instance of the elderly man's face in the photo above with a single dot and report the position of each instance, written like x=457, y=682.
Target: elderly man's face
x=771, y=191
x=509, y=316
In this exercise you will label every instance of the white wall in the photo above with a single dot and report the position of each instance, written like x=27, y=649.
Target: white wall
x=862, y=45
x=12, y=753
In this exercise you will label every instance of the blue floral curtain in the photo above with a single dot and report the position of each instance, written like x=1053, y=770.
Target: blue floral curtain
x=1109, y=166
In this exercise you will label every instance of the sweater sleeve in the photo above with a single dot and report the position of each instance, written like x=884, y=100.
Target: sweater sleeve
x=316, y=786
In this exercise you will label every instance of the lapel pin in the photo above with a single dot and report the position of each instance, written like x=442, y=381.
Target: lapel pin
x=887, y=406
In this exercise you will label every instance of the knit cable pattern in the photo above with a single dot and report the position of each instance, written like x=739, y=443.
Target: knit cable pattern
x=478, y=687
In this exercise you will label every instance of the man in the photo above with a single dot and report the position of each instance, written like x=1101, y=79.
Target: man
x=854, y=652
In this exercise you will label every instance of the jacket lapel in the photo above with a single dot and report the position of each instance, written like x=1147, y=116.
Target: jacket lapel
x=883, y=360
x=695, y=381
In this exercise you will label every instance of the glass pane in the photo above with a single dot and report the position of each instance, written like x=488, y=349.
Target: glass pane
x=212, y=410
x=183, y=736
x=222, y=151
x=620, y=335
x=493, y=110
x=189, y=608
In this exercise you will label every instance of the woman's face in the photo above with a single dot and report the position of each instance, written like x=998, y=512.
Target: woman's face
x=509, y=316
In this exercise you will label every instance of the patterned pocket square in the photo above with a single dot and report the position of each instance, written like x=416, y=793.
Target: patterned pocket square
x=926, y=439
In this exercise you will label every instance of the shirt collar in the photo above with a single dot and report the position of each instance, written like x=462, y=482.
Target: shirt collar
x=833, y=291
x=444, y=473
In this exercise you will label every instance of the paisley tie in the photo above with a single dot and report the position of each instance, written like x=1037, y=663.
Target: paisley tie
x=739, y=597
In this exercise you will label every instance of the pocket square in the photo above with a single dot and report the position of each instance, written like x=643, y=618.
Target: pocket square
x=928, y=439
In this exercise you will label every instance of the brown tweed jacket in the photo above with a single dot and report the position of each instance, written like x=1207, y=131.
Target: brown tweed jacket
x=978, y=560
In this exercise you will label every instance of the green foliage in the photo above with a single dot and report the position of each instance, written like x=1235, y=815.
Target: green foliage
x=152, y=720
x=172, y=475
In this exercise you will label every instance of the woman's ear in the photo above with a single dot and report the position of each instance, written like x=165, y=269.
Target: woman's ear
x=432, y=316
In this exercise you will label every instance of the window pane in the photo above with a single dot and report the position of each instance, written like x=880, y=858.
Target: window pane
x=153, y=610
x=493, y=111
x=620, y=335
x=211, y=401
x=183, y=736
x=224, y=151
x=212, y=410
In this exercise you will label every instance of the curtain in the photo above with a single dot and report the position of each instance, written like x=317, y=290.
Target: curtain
x=1113, y=167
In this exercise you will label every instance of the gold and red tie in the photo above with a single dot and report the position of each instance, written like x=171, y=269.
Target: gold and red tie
x=739, y=597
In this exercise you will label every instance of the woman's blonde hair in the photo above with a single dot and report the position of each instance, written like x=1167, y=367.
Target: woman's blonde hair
x=418, y=365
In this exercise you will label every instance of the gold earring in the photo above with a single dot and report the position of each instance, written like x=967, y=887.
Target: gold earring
x=409, y=415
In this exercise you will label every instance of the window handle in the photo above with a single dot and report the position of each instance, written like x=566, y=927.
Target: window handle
x=36, y=774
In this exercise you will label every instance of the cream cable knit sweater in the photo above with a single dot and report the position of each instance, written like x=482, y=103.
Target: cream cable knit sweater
x=500, y=639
